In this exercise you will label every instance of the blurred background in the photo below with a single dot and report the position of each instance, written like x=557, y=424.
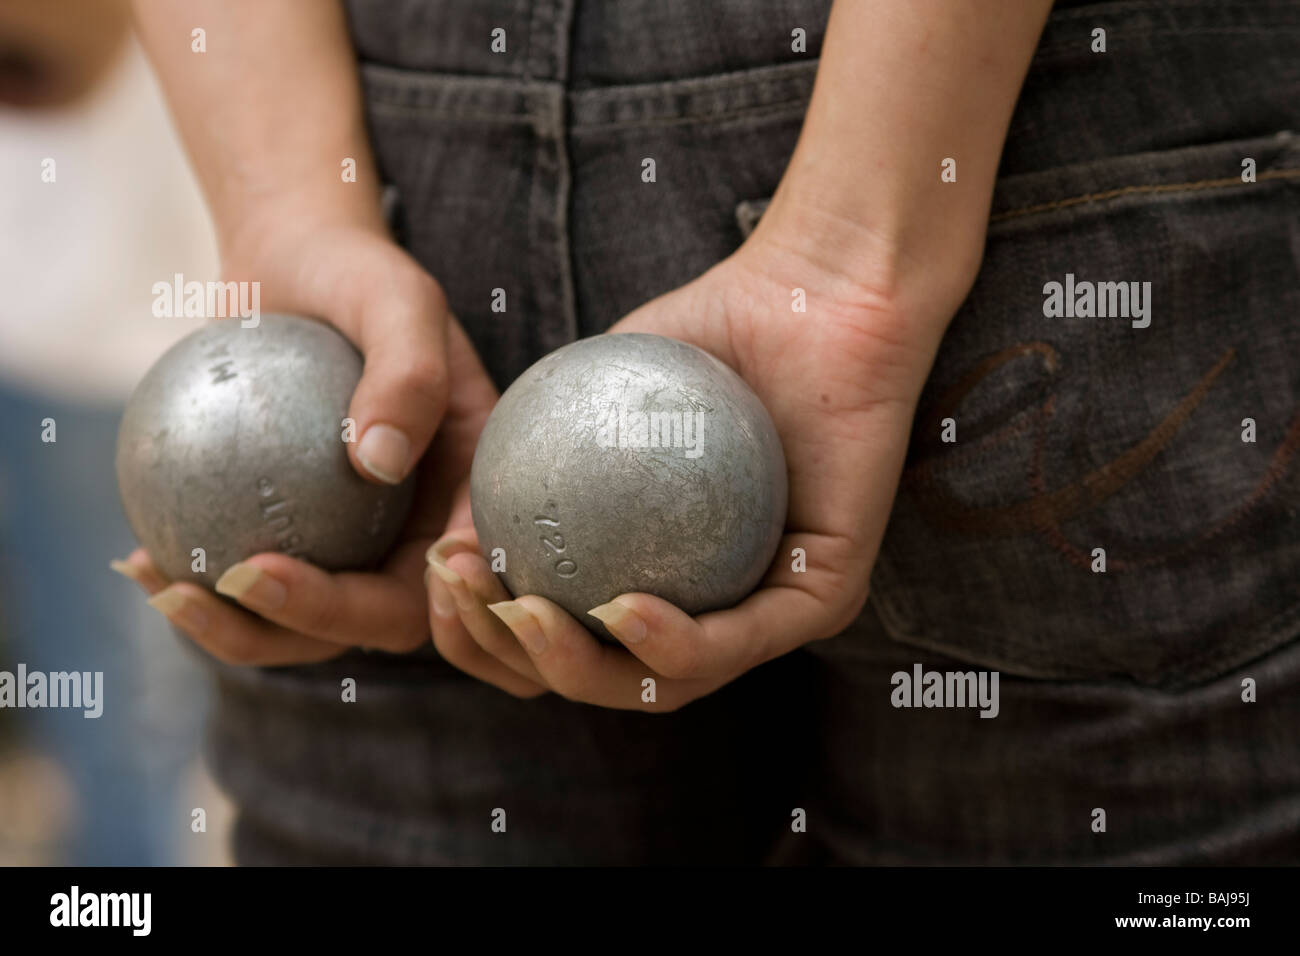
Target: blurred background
x=96, y=205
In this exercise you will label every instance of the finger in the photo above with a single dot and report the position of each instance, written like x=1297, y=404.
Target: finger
x=790, y=608
x=577, y=666
x=378, y=611
x=235, y=636
x=454, y=642
x=683, y=314
x=770, y=622
x=442, y=604
x=397, y=405
x=464, y=592
x=473, y=587
x=459, y=650
x=139, y=567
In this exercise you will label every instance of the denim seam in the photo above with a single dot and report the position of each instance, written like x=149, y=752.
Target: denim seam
x=1046, y=54
x=793, y=107
x=450, y=116
x=543, y=60
x=439, y=94
x=774, y=74
x=1122, y=7
x=1198, y=669
x=1289, y=172
x=548, y=208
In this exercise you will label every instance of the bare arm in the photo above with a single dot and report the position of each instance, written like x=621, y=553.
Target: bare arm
x=886, y=252
x=269, y=111
x=901, y=88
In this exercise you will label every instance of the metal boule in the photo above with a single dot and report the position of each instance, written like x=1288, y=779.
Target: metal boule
x=629, y=462
x=233, y=443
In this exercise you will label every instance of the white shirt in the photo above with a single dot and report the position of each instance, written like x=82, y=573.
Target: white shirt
x=79, y=255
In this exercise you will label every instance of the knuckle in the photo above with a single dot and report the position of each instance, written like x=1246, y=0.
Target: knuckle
x=427, y=291
x=321, y=616
x=681, y=662
x=424, y=376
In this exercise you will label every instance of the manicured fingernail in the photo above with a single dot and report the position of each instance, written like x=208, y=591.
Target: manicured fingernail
x=145, y=578
x=522, y=623
x=384, y=452
x=439, y=551
x=127, y=570
x=622, y=621
x=180, y=610
x=443, y=598
x=252, y=587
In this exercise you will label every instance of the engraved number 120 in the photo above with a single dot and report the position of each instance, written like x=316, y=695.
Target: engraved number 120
x=564, y=567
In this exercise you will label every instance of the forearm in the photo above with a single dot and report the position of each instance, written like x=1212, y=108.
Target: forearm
x=269, y=112
x=901, y=88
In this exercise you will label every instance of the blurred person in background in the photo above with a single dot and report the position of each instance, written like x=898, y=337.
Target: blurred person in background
x=97, y=205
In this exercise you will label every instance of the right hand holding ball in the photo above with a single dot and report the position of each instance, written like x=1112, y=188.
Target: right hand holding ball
x=686, y=536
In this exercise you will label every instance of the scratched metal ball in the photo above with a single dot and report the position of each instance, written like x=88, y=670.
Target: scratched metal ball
x=233, y=442
x=630, y=462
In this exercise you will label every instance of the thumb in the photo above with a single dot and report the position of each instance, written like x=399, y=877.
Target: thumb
x=402, y=395
x=384, y=302
x=695, y=313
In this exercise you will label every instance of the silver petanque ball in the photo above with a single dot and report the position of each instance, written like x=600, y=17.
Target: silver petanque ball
x=630, y=462
x=233, y=442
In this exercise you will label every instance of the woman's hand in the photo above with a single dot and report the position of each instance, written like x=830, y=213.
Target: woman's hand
x=421, y=374
x=880, y=220
x=271, y=118
x=841, y=382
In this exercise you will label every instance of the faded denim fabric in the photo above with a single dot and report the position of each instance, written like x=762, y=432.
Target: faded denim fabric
x=1120, y=690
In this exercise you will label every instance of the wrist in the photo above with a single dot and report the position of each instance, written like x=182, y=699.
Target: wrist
x=257, y=228
x=899, y=258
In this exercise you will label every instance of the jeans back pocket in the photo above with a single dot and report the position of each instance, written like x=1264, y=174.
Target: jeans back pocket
x=1102, y=481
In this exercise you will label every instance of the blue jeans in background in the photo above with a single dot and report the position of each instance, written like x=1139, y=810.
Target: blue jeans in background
x=64, y=610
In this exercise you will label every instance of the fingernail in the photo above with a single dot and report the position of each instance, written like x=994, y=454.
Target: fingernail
x=622, y=621
x=443, y=599
x=252, y=587
x=145, y=578
x=180, y=610
x=384, y=452
x=439, y=551
x=522, y=624
x=127, y=571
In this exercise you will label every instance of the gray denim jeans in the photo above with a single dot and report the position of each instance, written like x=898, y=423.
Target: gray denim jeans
x=1119, y=690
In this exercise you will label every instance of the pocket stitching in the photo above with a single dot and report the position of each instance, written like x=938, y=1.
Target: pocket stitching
x=1201, y=669
x=901, y=609
x=1288, y=172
